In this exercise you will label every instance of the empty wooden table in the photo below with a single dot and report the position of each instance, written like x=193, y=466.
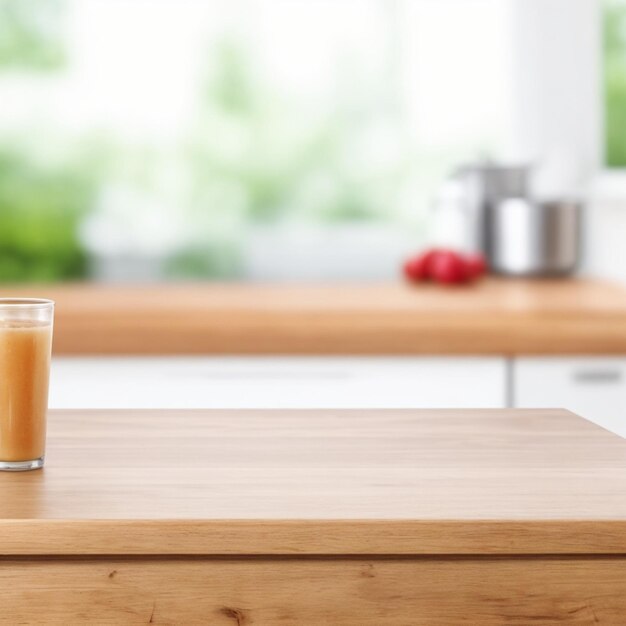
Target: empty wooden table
x=361, y=518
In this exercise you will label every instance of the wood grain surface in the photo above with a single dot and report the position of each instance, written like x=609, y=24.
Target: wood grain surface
x=319, y=482
x=492, y=317
x=315, y=592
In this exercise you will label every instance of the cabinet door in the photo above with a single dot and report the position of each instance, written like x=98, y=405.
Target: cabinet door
x=287, y=382
x=594, y=388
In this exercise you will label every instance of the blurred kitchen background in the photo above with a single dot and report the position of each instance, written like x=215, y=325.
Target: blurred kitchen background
x=170, y=141
x=294, y=139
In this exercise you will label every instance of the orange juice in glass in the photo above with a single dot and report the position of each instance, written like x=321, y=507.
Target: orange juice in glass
x=25, y=349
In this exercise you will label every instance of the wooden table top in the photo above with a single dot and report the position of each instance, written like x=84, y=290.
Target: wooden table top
x=319, y=482
x=491, y=317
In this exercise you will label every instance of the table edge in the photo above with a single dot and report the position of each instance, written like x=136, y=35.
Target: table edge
x=31, y=537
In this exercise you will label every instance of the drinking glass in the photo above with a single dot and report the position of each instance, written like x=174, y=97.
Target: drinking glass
x=25, y=348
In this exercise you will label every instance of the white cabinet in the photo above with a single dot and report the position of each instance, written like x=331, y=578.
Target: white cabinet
x=277, y=382
x=592, y=387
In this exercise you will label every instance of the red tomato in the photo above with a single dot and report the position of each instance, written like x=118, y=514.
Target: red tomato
x=426, y=258
x=419, y=267
x=414, y=269
x=449, y=268
x=476, y=265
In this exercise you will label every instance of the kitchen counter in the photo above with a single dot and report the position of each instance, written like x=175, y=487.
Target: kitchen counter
x=494, y=317
x=372, y=518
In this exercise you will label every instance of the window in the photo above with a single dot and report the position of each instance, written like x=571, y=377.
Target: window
x=615, y=82
x=172, y=136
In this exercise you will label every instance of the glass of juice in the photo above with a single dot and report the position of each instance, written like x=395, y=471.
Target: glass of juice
x=25, y=347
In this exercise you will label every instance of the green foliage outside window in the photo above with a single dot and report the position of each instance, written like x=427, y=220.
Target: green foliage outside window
x=615, y=82
x=279, y=153
x=30, y=34
x=40, y=208
x=40, y=204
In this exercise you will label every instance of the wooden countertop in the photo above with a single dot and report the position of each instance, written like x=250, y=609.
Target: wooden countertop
x=302, y=518
x=226, y=482
x=494, y=317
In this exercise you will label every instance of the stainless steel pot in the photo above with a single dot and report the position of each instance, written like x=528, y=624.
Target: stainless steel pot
x=529, y=238
x=484, y=185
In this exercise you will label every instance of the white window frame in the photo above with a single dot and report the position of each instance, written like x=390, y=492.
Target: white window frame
x=558, y=87
x=557, y=77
